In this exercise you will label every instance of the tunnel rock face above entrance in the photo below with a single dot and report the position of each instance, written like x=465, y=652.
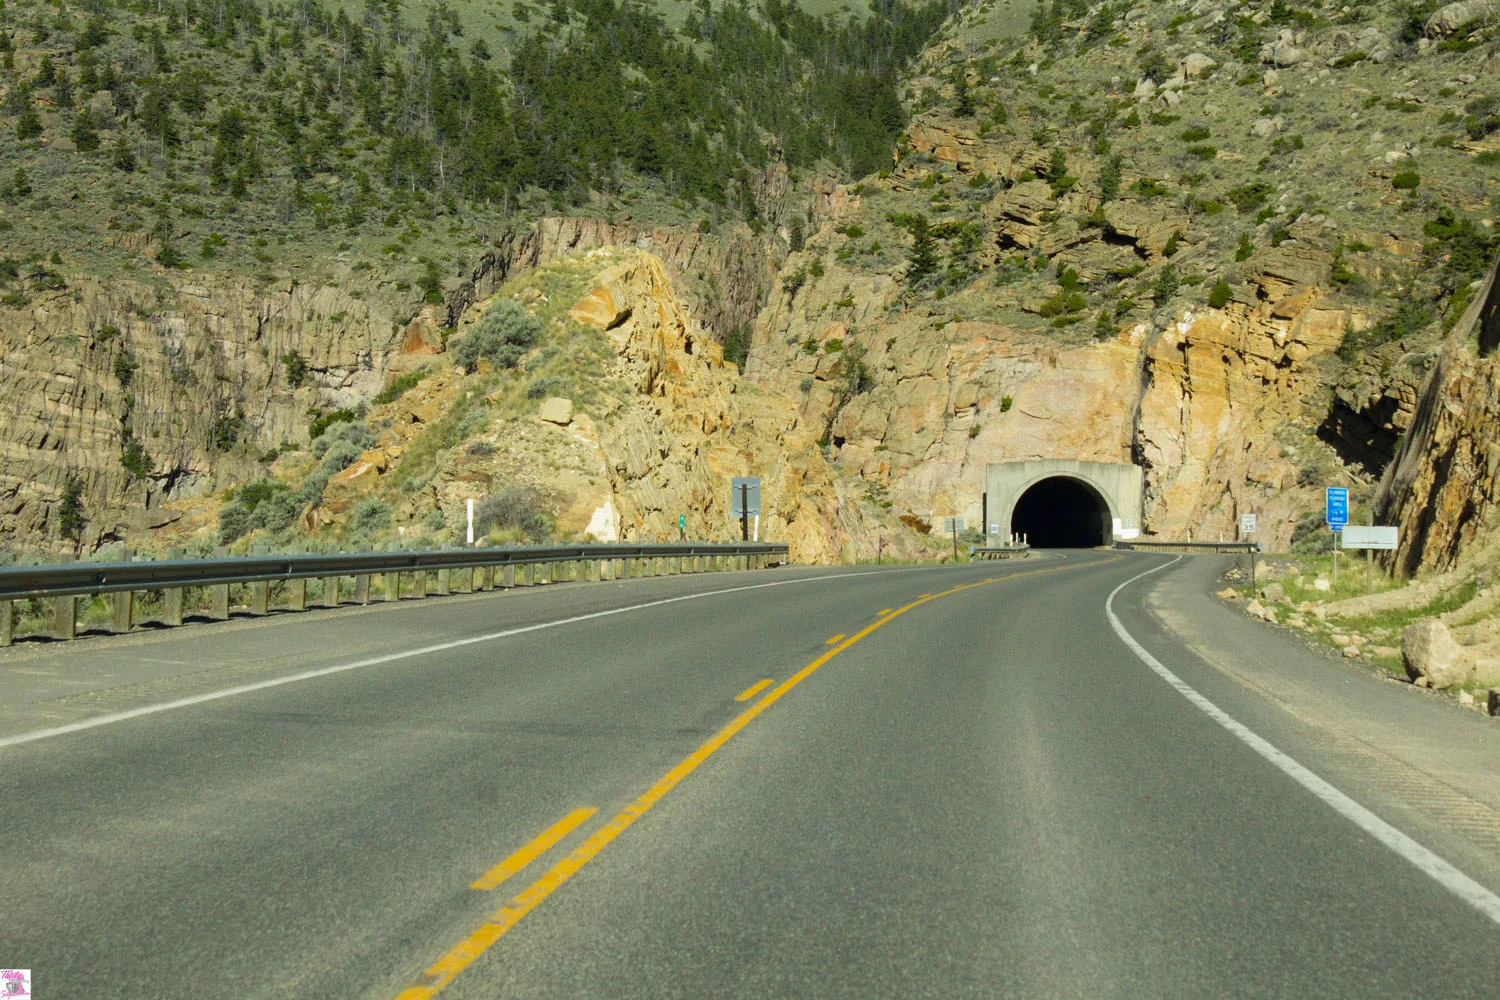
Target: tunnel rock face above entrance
x=1063, y=503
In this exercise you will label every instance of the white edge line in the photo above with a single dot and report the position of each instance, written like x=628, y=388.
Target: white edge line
x=1449, y=877
x=198, y=699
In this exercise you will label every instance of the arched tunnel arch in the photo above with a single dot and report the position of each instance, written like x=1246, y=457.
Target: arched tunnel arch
x=1062, y=512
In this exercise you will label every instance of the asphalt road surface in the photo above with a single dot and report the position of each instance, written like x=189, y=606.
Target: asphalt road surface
x=957, y=782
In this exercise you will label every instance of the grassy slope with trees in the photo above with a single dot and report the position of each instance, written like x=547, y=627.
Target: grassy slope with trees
x=240, y=137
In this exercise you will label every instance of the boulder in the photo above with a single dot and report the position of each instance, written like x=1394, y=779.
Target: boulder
x=1145, y=89
x=1197, y=64
x=556, y=410
x=1264, y=128
x=1019, y=211
x=1148, y=226
x=1428, y=649
x=1454, y=16
x=1273, y=592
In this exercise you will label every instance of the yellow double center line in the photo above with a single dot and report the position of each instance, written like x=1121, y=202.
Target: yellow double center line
x=499, y=924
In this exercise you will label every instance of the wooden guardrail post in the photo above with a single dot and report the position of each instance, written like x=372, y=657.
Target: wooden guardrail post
x=172, y=596
x=419, y=584
x=392, y=582
x=296, y=595
x=591, y=572
x=65, y=611
x=7, y=622
x=508, y=575
x=218, y=593
x=444, y=582
x=362, y=588
x=260, y=597
x=123, y=606
x=526, y=575
x=330, y=592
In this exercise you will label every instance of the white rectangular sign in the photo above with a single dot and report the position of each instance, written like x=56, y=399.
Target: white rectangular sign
x=1247, y=524
x=953, y=524
x=1360, y=536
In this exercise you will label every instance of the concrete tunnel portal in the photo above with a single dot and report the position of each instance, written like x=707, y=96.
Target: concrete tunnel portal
x=1062, y=503
x=1062, y=513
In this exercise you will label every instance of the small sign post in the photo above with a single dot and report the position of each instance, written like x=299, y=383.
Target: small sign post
x=744, y=492
x=954, y=525
x=682, y=526
x=1247, y=527
x=1336, y=514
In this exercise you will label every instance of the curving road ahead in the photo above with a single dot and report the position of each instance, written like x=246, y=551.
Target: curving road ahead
x=934, y=782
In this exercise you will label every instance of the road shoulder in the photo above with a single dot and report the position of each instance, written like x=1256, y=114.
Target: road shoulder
x=1414, y=753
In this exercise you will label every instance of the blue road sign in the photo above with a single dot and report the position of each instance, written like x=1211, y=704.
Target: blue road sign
x=1336, y=510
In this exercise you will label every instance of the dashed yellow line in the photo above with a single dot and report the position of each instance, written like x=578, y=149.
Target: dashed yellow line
x=533, y=850
x=447, y=968
x=834, y=640
x=753, y=690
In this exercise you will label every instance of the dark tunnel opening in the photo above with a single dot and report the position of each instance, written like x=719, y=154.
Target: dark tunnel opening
x=1062, y=513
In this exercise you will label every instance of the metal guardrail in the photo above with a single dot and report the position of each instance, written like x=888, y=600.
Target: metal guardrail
x=65, y=583
x=1164, y=546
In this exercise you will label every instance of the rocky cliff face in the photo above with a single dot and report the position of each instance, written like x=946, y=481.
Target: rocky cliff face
x=191, y=373
x=669, y=426
x=195, y=372
x=1444, y=487
x=1209, y=401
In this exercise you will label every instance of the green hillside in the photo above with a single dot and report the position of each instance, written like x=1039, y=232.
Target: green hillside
x=276, y=140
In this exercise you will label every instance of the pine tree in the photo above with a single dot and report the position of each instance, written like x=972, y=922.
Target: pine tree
x=28, y=126
x=123, y=157
x=46, y=73
x=84, y=137
x=20, y=184
x=963, y=97
x=62, y=90
x=923, y=259
x=70, y=509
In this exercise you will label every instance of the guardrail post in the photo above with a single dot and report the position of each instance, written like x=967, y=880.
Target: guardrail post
x=526, y=575
x=260, y=597
x=172, y=596
x=296, y=595
x=330, y=592
x=362, y=588
x=65, y=610
x=218, y=594
x=508, y=575
x=444, y=581
x=392, y=582
x=419, y=584
x=7, y=622
x=65, y=617
x=124, y=608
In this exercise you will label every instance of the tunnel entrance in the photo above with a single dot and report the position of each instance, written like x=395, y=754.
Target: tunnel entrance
x=1062, y=513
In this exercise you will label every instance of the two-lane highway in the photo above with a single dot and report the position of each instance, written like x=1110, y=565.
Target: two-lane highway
x=938, y=782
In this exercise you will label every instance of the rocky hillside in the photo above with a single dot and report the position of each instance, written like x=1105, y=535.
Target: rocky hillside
x=1224, y=241
x=1220, y=240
